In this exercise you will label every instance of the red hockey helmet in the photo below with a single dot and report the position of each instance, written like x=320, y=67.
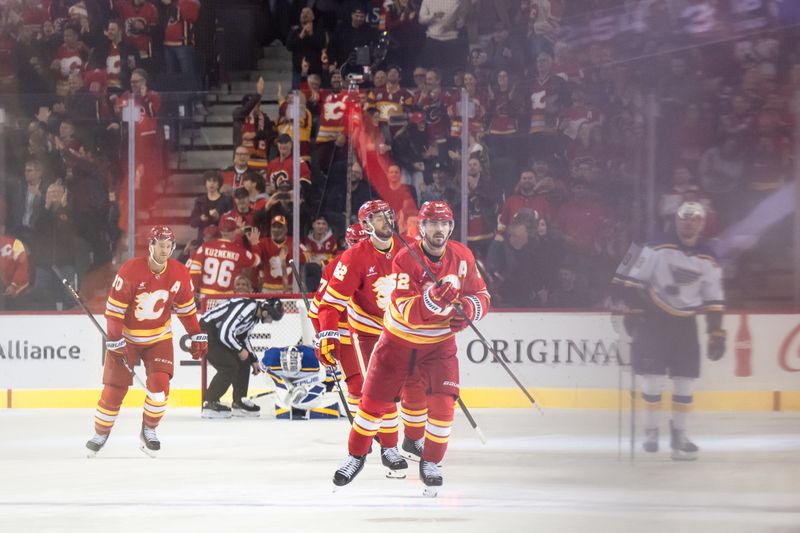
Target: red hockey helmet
x=160, y=233
x=355, y=234
x=371, y=207
x=435, y=210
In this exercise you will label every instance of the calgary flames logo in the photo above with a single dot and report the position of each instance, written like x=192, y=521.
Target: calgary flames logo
x=383, y=288
x=150, y=305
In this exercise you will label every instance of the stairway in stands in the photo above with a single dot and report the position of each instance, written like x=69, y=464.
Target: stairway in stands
x=207, y=142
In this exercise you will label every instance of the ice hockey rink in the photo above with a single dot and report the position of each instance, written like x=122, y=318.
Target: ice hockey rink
x=565, y=470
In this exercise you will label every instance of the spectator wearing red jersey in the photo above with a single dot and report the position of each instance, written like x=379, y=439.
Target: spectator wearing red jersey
x=275, y=252
x=217, y=262
x=526, y=197
x=279, y=169
x=320, y=243
x=13, y=270
x=70, y=56
x=179, y=36
x=140, y=20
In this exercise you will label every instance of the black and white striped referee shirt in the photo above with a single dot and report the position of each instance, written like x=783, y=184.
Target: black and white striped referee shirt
x=233, y=321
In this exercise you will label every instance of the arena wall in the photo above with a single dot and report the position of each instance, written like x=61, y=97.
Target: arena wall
x=566, y=360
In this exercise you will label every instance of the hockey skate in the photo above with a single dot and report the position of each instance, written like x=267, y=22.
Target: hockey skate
x=395, y=465
x=148, y=441
x=95, y=444
x=245, y=407
x=650, y=440
x=215, y=410
x=682, y=448
x=431, y=476
x=412, y=449
x=350, y=468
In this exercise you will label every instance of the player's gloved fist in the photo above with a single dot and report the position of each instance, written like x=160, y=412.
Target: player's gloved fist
x=199, y=347
x=117, y=347
x=716, y=345
x=438, y=297
x=468, y=307
x=329, y=346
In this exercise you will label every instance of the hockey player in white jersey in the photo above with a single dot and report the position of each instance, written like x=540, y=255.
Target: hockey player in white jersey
x=302, y=386
x=668, y=282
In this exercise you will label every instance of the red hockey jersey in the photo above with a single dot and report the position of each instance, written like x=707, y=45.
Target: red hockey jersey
x=140, y=302
x=139, y=23
x=333, y=115
x=412, y=318
x=313, y=312
x=13, y=265
x=280, y=171
x=272, y=268
x=179, y=29
x=216, y=264
x=362, y=283
x=320, y=251
x=149, y=106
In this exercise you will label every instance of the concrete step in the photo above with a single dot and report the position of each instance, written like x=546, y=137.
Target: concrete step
x=205, y=136
x=190, y=183
x=200, y=160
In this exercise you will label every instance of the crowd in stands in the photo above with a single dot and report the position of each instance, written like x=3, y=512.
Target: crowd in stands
x=577, y=110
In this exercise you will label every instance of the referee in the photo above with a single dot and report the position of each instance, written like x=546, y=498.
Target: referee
x=228, y=326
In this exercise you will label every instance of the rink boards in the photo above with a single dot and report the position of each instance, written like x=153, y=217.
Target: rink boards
x=566, y=360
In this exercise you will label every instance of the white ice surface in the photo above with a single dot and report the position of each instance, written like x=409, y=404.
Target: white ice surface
x=564, y=471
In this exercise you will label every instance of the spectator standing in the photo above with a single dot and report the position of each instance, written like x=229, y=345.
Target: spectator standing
x=30, y=204
x=256, y=186
x=140, y=20
x=442, y=188
x=306, y=42
x=443, y=19
x=481, y=210
x=179, y=54
x=280, y=168
x=242, y=213
x=405, y=32
x=320, y=243
x=349, y=36
x=252, y=128
x=209, y=207
x=216, y=263
x=275, y=252
x=117, y=56
x=525, y=197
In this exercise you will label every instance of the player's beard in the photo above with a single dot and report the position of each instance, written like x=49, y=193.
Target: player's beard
x=435, y=242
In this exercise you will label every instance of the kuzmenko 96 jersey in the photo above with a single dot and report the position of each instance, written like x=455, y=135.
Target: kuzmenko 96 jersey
x=362, y=283
x=412, y=318
x=216, y=264
x=678, y=279
x=140, y=302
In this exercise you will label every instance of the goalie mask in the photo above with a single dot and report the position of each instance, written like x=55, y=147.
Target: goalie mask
x=291, y=360
x=377, y=219
x=160, y=252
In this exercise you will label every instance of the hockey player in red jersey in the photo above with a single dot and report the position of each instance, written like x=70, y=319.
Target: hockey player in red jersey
x=216, y=263
x=138, y=309
x=354, y=235
x=419, y=334
x=362, y=284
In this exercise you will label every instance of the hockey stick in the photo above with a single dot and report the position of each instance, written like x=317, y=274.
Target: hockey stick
x=155, y=396
x=471, y=324
x=302, y=285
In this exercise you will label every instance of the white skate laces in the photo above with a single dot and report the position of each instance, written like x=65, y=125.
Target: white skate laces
x=350, y=466
x=391, y=454
x=99, y=440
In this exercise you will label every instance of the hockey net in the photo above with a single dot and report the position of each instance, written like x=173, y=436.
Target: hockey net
x=295, y=327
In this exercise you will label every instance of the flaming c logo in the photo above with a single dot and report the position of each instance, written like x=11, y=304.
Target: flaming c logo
x=790, y=352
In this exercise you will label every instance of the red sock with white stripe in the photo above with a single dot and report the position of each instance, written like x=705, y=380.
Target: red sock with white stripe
x=108, y=408
x=437, y=429
x=153, y=410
